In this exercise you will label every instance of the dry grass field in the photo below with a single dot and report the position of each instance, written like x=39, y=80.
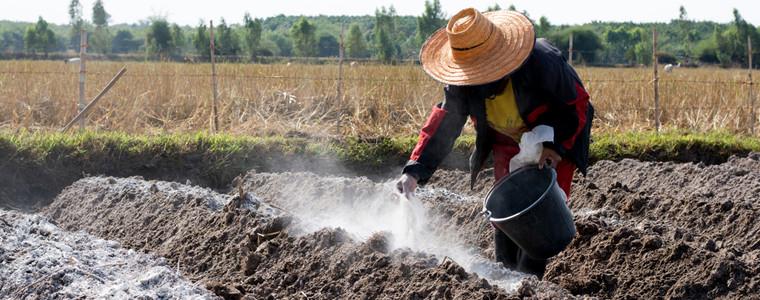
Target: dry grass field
x=377, y=100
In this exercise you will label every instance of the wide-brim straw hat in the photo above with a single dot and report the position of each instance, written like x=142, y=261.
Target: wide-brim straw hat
x=477, y=48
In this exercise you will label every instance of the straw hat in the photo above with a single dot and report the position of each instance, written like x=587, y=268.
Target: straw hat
x=477, y=48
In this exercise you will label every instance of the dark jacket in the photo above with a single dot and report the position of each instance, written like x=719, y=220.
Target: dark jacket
x=548, y=91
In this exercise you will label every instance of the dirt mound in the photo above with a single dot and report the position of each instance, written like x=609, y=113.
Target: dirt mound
x=328, y=264
x=645, y=230
x=41, y=261
x=241, y=246
x=452, y=226
x=664, y=230
x=204, y=233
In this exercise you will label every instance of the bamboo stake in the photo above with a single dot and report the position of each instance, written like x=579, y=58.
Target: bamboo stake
x=751, y=99
x=656, y=81
x=82, y=74
x=94, y=101
x=340, y=78
x=570, y=52
x=215, y=127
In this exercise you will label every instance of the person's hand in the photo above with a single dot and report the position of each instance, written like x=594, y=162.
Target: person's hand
x=549, y=155
x=406, y=185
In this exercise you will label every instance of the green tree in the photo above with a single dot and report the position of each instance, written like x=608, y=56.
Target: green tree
x=124, y=42
x=356, y=46
x=327, y=45
x=99, y=15
x=642, y=50
x=586, y=43
x=734, y=39
x=686, y=34
x=76, y=22
x=620, y=44
x=179, y=41
x=284, y=44
x=100, y=40
x=39, y=37
x=385, y=28
x=431, y=20
x=158, y=40
x=543, y=28
x=12, y=41
x=227, y=42
x=304, y=38
x=202, y=41
x=495, y=7
x=252, y=34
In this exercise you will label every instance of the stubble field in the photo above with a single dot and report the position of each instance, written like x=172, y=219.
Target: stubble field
x=376, y=100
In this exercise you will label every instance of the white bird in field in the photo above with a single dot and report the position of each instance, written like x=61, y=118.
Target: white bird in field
x=669, y=67
x=353, y=64
x=74, y=60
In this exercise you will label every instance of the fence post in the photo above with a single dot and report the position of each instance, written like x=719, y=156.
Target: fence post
x=82, y=74
x=215, y=124
x=656, y=81
x=751, y=99
x=94, y=101
x=340, y=78
x=570, y=51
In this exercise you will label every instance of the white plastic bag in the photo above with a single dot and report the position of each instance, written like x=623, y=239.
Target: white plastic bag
x=531, y=146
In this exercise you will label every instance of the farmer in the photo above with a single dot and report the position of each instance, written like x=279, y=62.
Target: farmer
x=508, y=82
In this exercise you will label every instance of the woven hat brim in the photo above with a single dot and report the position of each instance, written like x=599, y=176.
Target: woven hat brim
x=494, y=61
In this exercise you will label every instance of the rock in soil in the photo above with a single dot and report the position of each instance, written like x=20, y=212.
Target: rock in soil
x=40, y=261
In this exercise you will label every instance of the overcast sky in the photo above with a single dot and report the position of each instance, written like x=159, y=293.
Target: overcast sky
x=559, y=12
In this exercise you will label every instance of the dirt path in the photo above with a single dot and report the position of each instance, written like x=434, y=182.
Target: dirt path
x=40, y=261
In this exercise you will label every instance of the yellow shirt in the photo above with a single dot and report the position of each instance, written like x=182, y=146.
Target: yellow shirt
x=502, y=114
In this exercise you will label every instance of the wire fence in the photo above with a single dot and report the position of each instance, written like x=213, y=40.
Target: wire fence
x=307, y=99
x=361, y=98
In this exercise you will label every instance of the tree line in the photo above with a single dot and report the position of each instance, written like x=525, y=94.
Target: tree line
x=384, y=36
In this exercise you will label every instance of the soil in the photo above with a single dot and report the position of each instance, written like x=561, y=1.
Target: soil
x=645, y=230
x=652, y=230
x=206, y=234
x=40, y=261
x=243, y=247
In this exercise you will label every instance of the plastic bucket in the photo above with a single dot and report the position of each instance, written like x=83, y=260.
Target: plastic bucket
x=530, y=208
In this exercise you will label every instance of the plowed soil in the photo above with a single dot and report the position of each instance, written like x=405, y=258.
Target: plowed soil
x=241, y=246
x=645, y=230
x=40, y=261
x=652, y=230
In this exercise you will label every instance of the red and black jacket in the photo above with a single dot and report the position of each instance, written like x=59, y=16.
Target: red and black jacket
x=548, y=91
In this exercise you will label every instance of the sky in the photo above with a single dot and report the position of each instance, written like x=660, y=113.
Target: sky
x=187, y=12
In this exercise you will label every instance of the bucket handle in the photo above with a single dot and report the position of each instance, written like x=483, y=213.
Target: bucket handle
x=486, y=214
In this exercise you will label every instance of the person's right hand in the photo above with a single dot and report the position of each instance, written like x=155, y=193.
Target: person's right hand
x=406, y=185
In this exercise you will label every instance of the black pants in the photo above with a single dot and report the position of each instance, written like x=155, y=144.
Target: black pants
x=512, y=257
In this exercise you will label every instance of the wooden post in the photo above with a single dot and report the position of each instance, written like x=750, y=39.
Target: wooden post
x=570, y=50
x=82, y=74
x=95, y=100
x=215, y=127
x=656, y=81
x=340, y=78
x=751, y=99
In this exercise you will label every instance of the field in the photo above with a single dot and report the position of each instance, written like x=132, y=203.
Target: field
x=295, y=198
x=376, y=100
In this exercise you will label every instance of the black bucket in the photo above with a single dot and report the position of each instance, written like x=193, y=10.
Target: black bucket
x=530, y=208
